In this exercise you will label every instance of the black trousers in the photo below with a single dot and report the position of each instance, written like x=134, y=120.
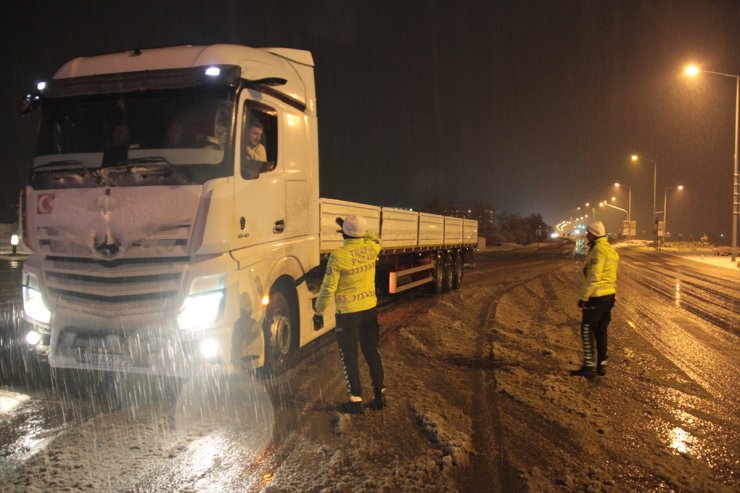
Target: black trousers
x=596, y=317
x=359, y=327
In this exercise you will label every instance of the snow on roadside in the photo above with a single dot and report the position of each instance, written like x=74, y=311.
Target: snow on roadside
x=718, y=256
x=719, y=261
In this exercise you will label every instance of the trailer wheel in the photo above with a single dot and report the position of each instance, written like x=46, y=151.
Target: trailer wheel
x=449, y=272
x=438, y=275
x=279, y=335
x=457, y=270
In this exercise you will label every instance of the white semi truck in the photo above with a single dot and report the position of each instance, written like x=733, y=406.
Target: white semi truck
x=163, y=244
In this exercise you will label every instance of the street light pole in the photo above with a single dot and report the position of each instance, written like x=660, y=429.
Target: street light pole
x=629, y=209
x=636, y=158
x=614, y=207
x=593, y=211
x=693, y=70
x=665, y=209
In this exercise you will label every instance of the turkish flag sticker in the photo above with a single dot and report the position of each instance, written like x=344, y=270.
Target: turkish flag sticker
x=45, y=203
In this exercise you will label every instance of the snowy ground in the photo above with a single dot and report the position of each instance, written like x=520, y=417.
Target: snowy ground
x=711, y=255
x=479, y=400
x=480, y=394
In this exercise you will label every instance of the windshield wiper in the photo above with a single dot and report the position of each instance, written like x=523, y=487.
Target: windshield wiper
x=155, y=161
x=63, y=162
x=148, y=163
x=76, y=164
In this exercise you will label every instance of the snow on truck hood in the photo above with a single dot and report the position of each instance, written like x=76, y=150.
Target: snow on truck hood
x=108, y=223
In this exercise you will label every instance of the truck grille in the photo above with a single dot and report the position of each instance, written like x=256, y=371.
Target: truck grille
x=171, y=241
x=115, y=287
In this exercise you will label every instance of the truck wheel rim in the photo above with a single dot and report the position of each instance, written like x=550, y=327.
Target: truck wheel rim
x=280, y=335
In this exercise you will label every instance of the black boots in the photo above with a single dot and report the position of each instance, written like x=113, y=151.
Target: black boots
x=590, y=371
x=379, y=400
x=355, y=407
x=584, y=371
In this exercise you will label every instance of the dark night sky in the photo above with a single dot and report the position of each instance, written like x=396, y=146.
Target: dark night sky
x=531, y=106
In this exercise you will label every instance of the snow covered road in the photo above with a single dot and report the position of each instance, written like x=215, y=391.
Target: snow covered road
x=480, y=399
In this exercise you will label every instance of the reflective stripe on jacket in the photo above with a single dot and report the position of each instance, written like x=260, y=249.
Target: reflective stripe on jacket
x=350, y=276
x=600, y=270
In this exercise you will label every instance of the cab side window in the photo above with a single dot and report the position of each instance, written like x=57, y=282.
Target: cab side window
x=259, y=140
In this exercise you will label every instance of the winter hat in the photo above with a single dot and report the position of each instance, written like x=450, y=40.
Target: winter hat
x=354, y=226
x=596, y=228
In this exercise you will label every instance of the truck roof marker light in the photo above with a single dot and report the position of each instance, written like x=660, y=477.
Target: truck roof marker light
x=41, y=86
x=213, y=71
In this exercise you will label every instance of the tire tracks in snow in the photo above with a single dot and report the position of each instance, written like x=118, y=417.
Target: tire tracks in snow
x=490, y=465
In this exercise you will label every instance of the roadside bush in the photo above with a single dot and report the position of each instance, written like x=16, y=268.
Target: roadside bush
x=495, y=239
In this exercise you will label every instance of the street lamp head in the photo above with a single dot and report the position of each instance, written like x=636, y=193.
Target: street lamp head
x=680, y=187
x=634, y=157
x=616, y=184
x=691, y=70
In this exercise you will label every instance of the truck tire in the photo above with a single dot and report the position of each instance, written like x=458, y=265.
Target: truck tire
x=449, y=267
x=280, y=335
x=457, y=270
x=438, y=275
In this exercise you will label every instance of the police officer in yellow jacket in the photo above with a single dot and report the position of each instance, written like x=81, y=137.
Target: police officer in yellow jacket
x=350, y=279
x=597, y=298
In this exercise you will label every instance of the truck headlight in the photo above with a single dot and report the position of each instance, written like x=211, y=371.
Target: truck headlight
x=33, y=301
x=209, y=348
x=33, y=338
x=200, y=310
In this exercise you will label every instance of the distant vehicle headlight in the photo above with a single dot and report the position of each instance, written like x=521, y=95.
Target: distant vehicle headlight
x=200, y=310
x=33, y=302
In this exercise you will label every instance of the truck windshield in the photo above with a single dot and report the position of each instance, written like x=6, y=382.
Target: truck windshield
x=158, y=137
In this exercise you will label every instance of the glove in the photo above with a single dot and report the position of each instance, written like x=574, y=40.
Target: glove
x=318, y=322
x=340, y=222
x=582, y=304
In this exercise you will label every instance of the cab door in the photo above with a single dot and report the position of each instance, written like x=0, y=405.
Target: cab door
x=259, y=180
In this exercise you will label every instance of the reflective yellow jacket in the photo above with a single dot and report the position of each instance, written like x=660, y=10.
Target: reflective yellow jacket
x=350, y=276
x=600, y=270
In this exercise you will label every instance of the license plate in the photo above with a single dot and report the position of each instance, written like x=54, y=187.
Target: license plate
x=107, y=360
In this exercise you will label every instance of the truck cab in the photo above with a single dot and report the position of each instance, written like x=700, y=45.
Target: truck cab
x=160, y=243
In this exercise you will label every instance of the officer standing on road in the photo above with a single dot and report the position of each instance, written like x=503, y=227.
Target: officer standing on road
x=597, y=298
x=350, y=278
